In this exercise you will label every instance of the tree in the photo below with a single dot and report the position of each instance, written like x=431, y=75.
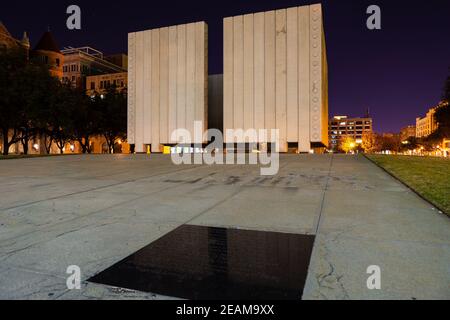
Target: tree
x=113, y=115
x=446, y=93
x=11, y=63
x=442, y=114
x=85, y=119
x=391, y=143
x=370, y=142
x=410, y=144
x=26, y=89
x=59, y=115
x=347, y=144
x=35, y=82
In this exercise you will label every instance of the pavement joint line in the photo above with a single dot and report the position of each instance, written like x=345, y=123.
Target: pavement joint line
x=384, y=240
x=94, y=189
x=264, y=229
x=319, y=218
x=239, y=189
x=8, y=254
x=11, y=266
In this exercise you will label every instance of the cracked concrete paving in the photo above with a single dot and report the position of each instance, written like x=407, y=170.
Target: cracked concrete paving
x=95, y=210
x=369, y=218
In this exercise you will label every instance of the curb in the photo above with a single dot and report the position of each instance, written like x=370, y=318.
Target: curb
x=440, y=210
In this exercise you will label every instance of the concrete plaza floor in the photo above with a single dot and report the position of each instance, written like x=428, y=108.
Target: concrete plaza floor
x=95, y=210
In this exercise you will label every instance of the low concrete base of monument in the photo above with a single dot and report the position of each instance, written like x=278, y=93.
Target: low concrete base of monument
x=94, y=211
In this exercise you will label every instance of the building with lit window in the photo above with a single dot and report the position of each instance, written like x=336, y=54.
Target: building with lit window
x=7, y=41
x=47, y=52
x=119, y=59
x=407, y=132
x=80, y=63
x=99, y=84
x=428, y=124
x=343, y=126
x=446, y=147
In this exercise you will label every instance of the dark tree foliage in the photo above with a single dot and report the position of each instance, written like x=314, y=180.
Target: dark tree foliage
x=412, y=143
x=59, y=116
x=85, y=119
x=11, y=64
x=391, y=143
x=446, y=95
x=35, y=104
x=443, y=114
x=113, y=116
x=35, y=83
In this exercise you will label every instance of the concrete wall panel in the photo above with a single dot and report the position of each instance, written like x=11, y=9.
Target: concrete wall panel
x=289, y=90
x=164, y=85
x=147, y=83
x=190, y=77
x=269, y=70
x=248, y=73
x=168, y=72
x=131, y=123
x=259, y=70
x=280, y=81
x=238, y=72
x=292, y=75
x=181, y=78
x=173, y=63
x=316, y=98
x=155, y=89
x=140, y=114
x=201, y=75
x=324, y=88
x=228, y=57
x=304, y=141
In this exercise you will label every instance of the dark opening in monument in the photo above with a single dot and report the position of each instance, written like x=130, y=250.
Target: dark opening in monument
x=195, y=262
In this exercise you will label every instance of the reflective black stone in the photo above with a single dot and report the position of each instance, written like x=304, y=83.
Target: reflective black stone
x=196, y=262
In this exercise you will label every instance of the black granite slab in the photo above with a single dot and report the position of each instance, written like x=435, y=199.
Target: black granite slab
x=196, y=262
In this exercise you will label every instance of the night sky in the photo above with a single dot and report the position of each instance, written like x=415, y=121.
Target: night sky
x=398, y=72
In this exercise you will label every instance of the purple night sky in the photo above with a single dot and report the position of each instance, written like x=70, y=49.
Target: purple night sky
x=398, y=72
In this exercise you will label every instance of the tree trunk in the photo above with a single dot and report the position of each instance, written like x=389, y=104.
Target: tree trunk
x=60, y=144
x=109, y=143
x=5, y=142
x=83, y=146
x=88, y=145
x=25, y=141
x=48, y=146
